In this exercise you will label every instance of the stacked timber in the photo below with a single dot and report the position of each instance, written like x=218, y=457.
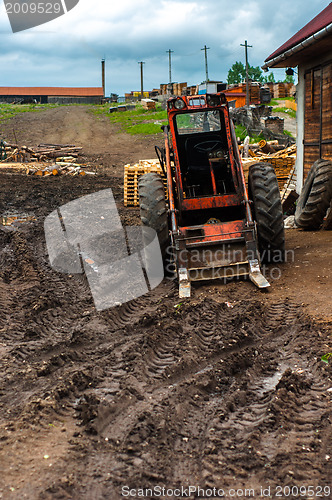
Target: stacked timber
x=148, y=104
x=270, y=85
x=282, y=161
x=178, y=88
x=280, y=90
x=254, y=92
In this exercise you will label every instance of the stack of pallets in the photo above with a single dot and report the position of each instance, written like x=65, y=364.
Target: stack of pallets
x=148, y=104
x=280, y=90
x=131, y=175
x=283, y=162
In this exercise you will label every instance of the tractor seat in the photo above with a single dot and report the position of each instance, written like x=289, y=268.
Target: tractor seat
x=198, y=161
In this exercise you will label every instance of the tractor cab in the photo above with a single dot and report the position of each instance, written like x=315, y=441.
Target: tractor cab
x=209, y=222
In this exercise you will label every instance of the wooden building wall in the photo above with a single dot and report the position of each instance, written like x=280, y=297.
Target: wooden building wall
x=317, y=115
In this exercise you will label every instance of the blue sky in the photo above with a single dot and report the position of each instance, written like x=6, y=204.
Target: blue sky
x=67, y=51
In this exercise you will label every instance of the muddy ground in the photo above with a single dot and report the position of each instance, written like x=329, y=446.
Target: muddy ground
x=225, y=390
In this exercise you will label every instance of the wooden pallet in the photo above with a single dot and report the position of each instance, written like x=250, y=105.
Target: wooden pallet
x=131, y=175
x=282, y=166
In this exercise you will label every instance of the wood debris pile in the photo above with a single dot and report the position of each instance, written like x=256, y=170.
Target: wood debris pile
x=59, y=168
x=43, y=160
x=42, y=152
x=47, y=169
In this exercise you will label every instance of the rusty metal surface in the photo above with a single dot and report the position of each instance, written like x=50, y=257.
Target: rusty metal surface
x=209, y=233
x=214, y=250
x=228, y=200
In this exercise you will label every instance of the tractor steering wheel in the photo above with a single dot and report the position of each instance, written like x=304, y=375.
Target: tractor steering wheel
x=207, y=146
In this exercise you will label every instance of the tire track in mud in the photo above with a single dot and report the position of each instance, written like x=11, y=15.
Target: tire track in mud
x=207, y=394
x=196, y=391
x=291, y=401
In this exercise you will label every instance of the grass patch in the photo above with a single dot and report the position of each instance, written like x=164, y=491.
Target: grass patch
x=8, y=111
x=144, y=128
x=241, y=131
x=287, y=132
x=278, y=100
x=135, y=121
x=287, y=111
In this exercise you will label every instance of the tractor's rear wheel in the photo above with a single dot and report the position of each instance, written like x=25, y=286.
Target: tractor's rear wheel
x=315, y=197
x=153, y=208
x=267, y=211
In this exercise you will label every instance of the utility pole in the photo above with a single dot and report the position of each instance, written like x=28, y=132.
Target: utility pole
x=206, y=63
x=141, y=64
x=169, y=51
x=245, y=45
x=103, y=75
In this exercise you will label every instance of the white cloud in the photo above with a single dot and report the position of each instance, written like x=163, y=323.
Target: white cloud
x=67, y=51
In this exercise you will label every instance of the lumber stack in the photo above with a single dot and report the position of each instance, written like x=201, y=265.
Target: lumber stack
x=254, y=92
x=131, y=175
x=280, y=90
x=282, y=161
x=270, y=85
x=178, y=88
x=148, y=104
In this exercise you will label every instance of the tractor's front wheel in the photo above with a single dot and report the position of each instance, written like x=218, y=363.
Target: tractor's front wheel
x=153, y=208
x=267, y=211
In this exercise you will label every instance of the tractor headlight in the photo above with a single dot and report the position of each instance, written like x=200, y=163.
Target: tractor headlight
x=179, y=103
x=213, y=100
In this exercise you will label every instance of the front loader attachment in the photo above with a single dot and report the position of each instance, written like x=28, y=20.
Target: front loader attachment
x=225, y=253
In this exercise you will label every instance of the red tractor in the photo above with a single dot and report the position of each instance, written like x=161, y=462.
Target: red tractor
x=211, y=226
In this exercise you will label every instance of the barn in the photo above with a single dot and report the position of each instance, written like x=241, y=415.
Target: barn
x=310, y=50
x=58, y=95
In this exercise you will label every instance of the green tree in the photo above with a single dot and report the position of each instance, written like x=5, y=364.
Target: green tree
x=269, y=78
x=237, y=73
x=289, y=79
x=255, y=73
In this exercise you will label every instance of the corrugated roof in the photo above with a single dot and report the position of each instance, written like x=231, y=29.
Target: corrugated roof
x=52, y=91
x=318, y=23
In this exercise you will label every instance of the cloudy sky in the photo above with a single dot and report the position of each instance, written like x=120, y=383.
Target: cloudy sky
x=67, y=51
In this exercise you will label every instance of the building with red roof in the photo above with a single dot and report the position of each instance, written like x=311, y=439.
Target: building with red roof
x=310, y=50
x=60, y=95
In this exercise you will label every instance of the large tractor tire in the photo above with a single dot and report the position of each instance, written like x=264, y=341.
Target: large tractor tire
x=153, y=207
x=315, y=197
x=267, y=211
